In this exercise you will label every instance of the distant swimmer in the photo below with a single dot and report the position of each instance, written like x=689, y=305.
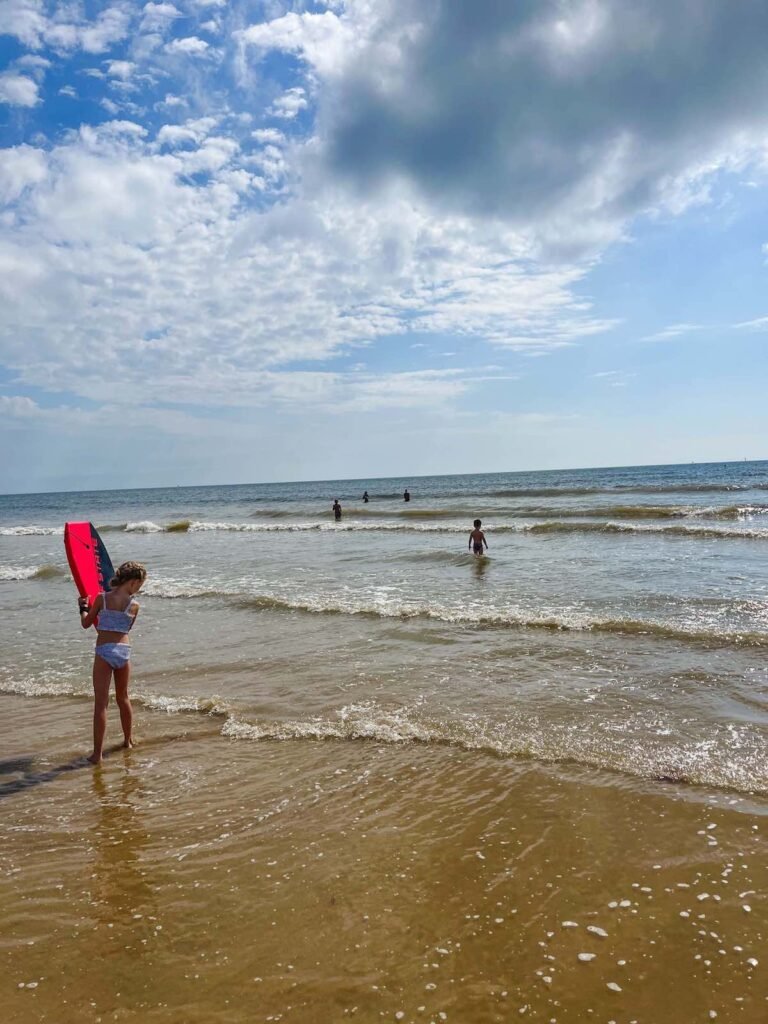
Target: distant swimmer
x=406, y=495
x=337, y=510
x=366, y=499
x=477, y=538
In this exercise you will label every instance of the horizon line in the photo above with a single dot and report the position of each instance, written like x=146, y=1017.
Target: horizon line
x=363, y=480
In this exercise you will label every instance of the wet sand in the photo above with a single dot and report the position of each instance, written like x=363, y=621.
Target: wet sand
x=197, y=879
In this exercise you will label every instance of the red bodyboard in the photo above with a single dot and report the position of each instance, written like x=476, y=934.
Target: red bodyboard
x=88, y=559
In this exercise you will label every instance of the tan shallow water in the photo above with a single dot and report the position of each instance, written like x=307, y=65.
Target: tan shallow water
x=200, y=879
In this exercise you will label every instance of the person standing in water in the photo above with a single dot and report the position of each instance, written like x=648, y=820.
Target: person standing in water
x=336, y=509
x=477, y=539
x=365, y=497
x=406, y=495
x=114, y=613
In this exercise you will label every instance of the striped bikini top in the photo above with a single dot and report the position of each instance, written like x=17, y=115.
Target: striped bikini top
x=114, y=621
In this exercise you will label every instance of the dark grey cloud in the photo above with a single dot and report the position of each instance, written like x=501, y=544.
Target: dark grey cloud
x=530, y=109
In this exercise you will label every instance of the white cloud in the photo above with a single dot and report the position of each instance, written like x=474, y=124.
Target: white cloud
x=192, y=296
x=20, y=167
x=111, y=26
x=214, y=154
x=65, y=28
x=323, y=40
x=289, y=104
x=359, y=391
x=146, y=420
x=18, y=90
x=271, y=162
x=62, y=36
x=271, y=136
x=122, y=69
x=506, y=113
x=177, y=135
x=24, y=19
x=614, y=378
x=191, y=46
x=170, y=102
x=112, y=128
x=158, y=17
x=673, y=331
x=18, y=407
x=759, y=324
x=34, y=62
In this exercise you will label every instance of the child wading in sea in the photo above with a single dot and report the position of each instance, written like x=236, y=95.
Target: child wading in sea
x=114, y=613
x=477, y=538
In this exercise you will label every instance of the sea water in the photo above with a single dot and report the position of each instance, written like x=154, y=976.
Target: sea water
x=366, y=750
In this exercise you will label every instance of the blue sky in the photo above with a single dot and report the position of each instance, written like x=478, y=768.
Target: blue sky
x=269, y=240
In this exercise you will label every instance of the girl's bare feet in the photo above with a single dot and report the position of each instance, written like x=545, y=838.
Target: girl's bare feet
x=129, y=743
x=95, y=758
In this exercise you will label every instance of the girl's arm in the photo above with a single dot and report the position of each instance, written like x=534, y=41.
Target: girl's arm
x=89, y=615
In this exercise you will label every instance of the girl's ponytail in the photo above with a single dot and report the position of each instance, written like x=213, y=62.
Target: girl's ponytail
x=128, y=571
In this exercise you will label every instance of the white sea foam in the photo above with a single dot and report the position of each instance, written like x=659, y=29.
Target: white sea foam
x=543, y=526
x=9, y=573
x=547, y=526
x=31, y=531
x=170, y=588
x=332, y=527
x=144, y=527
x=363, y=721
x=384, y=603
x=172, y=705
x=713, y=762
x=15, y=572
x=732, y=758
x=49, y=684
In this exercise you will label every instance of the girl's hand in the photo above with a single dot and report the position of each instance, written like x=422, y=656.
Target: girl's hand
x=82, y=604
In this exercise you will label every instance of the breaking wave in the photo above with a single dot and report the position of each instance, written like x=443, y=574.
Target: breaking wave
x=730, y=757
x=587, y=520
x=509, y=617
x=59, y=684
x=10, y=573
x=551, y=521
x=31, y=531
x=548, y=526
x=469, y=511
x=706, y=532
x=735, y=512
x=734, y=758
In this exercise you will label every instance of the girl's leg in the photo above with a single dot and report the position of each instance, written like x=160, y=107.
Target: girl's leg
x=122, y=678
x=102, y=674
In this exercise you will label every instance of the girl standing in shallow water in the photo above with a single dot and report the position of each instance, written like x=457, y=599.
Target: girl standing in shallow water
x=114, y=613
